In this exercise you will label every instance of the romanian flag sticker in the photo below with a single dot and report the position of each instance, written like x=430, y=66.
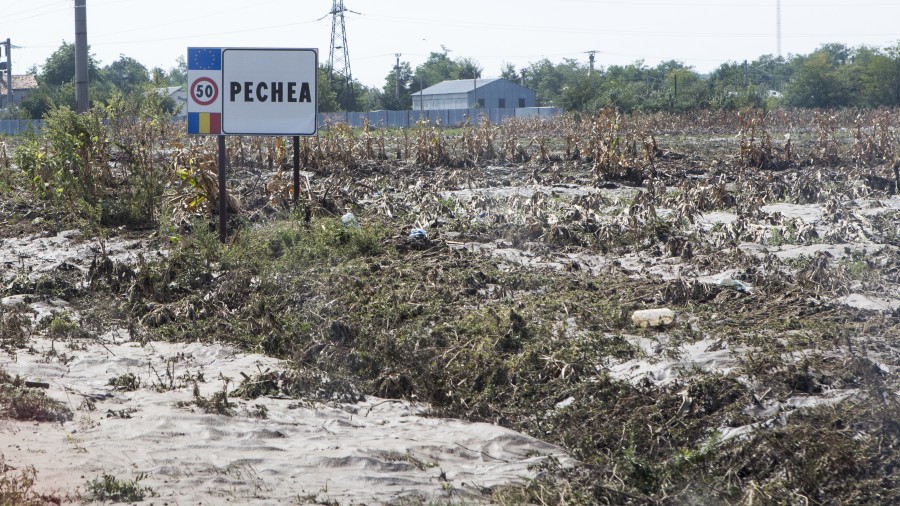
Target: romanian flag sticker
x=205, y=123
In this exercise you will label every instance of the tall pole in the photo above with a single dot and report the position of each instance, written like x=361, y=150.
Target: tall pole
x=778, y=25
x=591, y=58
x=9, y=89
x=81, y=57
x=675, y=102
x=397, y=78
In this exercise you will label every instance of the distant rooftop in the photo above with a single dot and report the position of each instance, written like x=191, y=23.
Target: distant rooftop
x=167, y=91
x=21, y=82
x=458, y=86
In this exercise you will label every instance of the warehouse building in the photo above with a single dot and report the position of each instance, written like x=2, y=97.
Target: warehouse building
x=470, y=93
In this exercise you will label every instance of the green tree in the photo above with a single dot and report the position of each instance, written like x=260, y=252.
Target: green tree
x=873, y=78
x=548, y=80
x=732, y=86
x=817, y=81
x=390, y=98
x=770, y=72
x=127, y=74
x=581, y=92
x=438, y=67
x=177, y=75
x=624, y=87
x=327, y=97
x=688, y=90
x=59, y=68
x=508, y=72
x=467, y=68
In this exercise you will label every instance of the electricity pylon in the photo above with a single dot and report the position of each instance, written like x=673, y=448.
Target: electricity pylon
x=339, y=54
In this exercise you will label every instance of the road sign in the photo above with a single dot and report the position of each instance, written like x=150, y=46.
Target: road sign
x=252, y=91
x=204, y=91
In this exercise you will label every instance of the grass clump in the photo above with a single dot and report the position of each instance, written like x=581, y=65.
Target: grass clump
x=62, y=326
x=17, y=488
x=13, y=330
x=110, y=488
x=127, y=382
x=18, y=402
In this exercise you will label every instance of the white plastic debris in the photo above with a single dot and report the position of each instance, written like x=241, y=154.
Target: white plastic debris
x=737, y=285
x=564, y=404
x=349, y=220
x=653, y=317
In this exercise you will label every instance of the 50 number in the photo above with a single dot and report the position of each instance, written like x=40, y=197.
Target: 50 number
x=204, y=91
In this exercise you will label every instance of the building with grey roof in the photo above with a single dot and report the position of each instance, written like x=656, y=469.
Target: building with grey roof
x=470, y=93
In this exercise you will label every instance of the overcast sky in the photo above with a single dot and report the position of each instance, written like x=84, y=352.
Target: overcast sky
x=700, y=33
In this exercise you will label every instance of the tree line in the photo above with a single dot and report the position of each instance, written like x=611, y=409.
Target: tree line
x=833, y=76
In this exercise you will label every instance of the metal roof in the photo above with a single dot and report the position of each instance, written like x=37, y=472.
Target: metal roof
x=458, y=86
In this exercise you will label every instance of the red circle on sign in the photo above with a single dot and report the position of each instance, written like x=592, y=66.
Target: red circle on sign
x=204, y=91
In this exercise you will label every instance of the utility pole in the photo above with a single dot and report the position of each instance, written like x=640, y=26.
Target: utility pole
x=591, y=58
x=81, y=57
x=397, y=78
x=778, y=26
x=675, y=102
x=9, y=89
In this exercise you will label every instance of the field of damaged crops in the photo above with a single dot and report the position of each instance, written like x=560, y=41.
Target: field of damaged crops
x=599, y=309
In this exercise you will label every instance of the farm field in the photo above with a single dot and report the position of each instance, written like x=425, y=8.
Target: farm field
x=599, y=309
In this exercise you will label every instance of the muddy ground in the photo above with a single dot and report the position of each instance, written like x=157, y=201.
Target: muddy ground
x=480, y=286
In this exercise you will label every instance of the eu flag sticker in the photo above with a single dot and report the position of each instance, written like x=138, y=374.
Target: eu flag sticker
x=204, y=58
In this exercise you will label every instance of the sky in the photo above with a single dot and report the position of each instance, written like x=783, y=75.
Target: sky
x=700, y=33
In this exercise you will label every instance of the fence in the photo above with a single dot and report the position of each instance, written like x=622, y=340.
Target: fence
x=446, y=117
x=381, y=119
x=19, y=126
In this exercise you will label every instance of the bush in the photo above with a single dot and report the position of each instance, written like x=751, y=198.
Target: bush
x=67, y=161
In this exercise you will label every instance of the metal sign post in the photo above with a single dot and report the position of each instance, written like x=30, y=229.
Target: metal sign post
x=296, y=168
x=223, y=196
x=251, y=91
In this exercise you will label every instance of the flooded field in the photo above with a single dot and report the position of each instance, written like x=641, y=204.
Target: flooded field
x=575, y=310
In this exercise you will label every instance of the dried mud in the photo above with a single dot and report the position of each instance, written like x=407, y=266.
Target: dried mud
x=776, y=382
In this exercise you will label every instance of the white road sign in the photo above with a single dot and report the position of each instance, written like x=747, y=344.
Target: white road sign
x=252, y=91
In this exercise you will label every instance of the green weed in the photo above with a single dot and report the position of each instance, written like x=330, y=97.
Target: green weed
x=110, y=488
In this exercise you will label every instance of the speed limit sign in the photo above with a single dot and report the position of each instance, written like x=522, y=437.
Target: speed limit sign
x=204, y=91
x=252, y=91
x=204, y=80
